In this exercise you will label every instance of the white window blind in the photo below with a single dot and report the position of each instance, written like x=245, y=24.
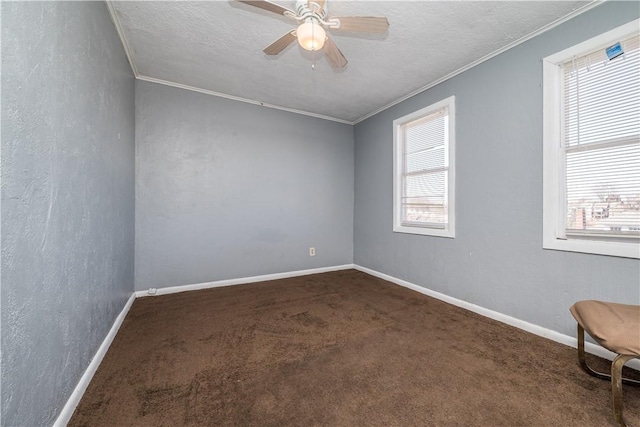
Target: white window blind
x=602, y=142
x=425, y=165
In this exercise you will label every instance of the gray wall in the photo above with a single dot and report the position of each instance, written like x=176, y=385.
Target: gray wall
x=496, y=259
x=67, y=199
x=226, y=189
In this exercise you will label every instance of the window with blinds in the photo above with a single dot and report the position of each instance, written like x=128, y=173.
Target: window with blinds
x=424, y=175
x=423, y=187
x=601, y=142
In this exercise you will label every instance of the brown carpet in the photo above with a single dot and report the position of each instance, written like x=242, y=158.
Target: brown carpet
x=335, y=349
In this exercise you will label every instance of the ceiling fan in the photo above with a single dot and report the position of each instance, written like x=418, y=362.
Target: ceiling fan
x=312, y=18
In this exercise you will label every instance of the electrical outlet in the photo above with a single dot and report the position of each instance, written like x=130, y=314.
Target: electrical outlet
x=152, y=291
x=312, y=251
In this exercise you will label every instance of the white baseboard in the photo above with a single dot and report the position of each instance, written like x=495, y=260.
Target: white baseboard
x=76, y=395
x=520, y=324
x=241, y=281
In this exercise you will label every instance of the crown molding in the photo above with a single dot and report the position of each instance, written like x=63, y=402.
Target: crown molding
x=129, y=53
x=576, y=12
x=120, y=30
x=240, y=99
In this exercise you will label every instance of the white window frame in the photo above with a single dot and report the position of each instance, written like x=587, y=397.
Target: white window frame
x=554, y=216
x=398, y=143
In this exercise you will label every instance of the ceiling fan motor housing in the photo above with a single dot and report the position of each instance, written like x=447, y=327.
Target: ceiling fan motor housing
x=310, y=10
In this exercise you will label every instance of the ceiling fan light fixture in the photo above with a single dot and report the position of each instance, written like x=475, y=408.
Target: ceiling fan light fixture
x=311, y=36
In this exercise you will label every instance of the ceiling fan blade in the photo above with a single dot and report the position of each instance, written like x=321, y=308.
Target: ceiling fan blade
x=267, y=5
x=335, y=57
x=365, y=24
x=279, y=45
x=318, y=2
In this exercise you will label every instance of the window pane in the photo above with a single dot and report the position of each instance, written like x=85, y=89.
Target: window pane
x=602, y=141
x=425, y=198
x=432, y=158
x=603, y=189
x=426, y=133
x=602, y=97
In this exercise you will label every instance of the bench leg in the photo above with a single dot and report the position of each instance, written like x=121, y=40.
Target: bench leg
x=583, y=360
x=587, y=368
x=616, y=376
x=616, y=386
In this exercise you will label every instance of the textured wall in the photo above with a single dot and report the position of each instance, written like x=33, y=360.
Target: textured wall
x=226, y=189
x=496, y=259
x=67, y=199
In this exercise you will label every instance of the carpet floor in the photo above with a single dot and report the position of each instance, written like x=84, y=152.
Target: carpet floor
x=336, y=349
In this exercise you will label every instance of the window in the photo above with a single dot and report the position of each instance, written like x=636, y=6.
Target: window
x=592, y=146
x=423, y=171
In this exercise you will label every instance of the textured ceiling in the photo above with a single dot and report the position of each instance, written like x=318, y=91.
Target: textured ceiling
x=217, y=46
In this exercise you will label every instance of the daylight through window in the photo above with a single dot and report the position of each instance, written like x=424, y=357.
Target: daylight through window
x=591, y=187
x=423, y=178
x=601, y=143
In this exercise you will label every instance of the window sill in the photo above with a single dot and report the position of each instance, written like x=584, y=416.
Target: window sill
x=425, y=231
x=619, y=249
